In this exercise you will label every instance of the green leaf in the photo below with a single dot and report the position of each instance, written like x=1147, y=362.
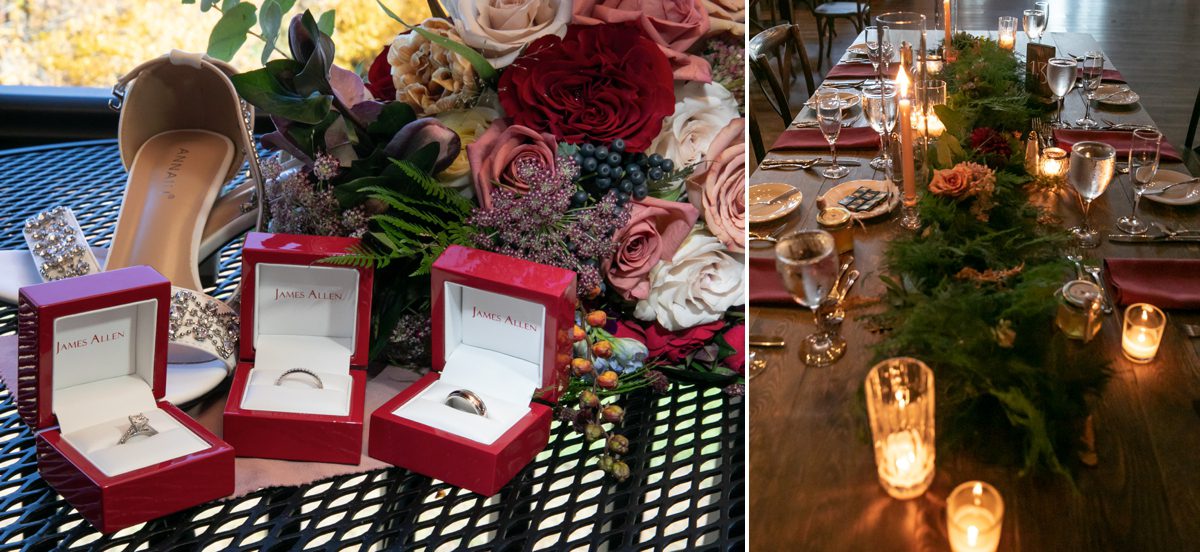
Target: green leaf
x=315, y=75
x=269, y=19
x=481, y=65
x=230, y=32
x=286, y=5
x=226, y=5
x=206, y=5
x=393, y=118
x=327, y=22
x=260, y=88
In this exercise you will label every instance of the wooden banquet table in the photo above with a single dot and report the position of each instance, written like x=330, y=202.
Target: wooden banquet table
x=813, y=482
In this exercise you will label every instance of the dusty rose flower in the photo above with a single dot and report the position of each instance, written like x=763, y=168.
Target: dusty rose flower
x=655, y=230
x=952, y=182
x=494, y=157
x=719, y=189
x=429, y=77
x=726, y=16
x=498, y=29
x=675, y=25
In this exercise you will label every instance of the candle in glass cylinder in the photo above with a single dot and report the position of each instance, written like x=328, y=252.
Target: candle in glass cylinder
x=907, y=167
x=906, y=463
x=1008, y=33
x=1143, y=332
x=974, y=516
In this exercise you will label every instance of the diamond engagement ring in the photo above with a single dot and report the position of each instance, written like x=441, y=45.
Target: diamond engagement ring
x=305, y=371
x=139, y=424
x=466, y=401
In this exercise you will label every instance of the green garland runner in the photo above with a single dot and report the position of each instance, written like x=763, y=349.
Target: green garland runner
x=975, y=299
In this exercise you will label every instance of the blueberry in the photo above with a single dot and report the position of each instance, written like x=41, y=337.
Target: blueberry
x=626, y=186
x=618, y=145
x=589, y=164
x=641, y=191
x=632, y=168
x=588, y=150
x=618, y=172
x=604, y=170
x=603, y=183
x=622, y=198
x=578, y=157
x=655, y=159
x=639, y=157
x=668, y=165
x=637, y=177
x=601, y=152
x=655, y=174
x=614, y=159
x=579, y=198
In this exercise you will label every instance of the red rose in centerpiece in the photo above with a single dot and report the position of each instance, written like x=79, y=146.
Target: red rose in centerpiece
x=663, y=343
x=379, y=77
x=736, y=337
x=599, y=83
x=675, y=25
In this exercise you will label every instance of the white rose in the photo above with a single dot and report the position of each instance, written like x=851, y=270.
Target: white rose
x=469, y=124
x=696, y=287
x=701, y=111
x=499, y=29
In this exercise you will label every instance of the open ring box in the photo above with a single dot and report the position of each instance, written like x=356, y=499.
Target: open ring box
x=500, y=330
x=300, y=313
x=92, y=352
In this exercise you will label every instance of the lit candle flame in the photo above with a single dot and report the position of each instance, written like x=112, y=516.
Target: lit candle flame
x=972, y=535
x=977, y=490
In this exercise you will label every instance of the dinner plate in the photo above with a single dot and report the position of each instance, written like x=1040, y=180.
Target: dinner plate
x=767, y=213
x=844, y=189
x=1116, y=94
x=860, y=48
x=1179, y=195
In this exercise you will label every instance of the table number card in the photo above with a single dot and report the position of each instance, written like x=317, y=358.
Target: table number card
x=1038, y=55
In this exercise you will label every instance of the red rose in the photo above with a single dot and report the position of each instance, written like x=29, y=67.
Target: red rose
x=736, y=338
x=663, y=343
x=379, y=77
x=596, y=84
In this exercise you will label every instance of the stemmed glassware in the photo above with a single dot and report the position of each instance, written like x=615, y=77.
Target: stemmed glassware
x=829, y=117
x=808, y=263
x=1060, y=76
x=1093, y=71
x=1092, y=165
x=1034, y=23
x=879, y=49
x=879, y=106
x=1143, y=165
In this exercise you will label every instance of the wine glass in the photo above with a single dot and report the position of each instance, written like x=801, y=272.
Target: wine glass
x=879, y=106
x=1092, y=165
x=1034, y=23
x=1043, y=7
x=808, y=263
x=829, y=117
x=1143, y=165
x=879, y=49
x=1093, y=70
x=1060, y=76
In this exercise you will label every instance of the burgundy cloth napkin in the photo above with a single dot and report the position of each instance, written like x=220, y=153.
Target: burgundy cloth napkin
x=857, y=71
x=1108, y=75
x=1119, y=139
x=766, y=287
x=812, y=138
x=1164, y=283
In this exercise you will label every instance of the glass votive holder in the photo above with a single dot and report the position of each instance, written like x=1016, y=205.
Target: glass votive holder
x=974, y=516
x=900, y=408
x=1143, y=332
x=1008, y=32
x=1054, y=162
x=930, y=93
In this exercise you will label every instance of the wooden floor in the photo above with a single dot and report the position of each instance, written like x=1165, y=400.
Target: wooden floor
x=1154, y=42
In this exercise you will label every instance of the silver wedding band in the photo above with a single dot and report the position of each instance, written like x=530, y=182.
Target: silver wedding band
x=305, y=371
x=466, y=401
x=139, y=424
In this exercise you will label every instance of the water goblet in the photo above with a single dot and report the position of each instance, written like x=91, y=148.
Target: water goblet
x=879, y=106
x=807, y=262
x=1143, y=165
x=1091, y=170
x=1060, y=76
x=1093, y=71
x=829, y=116
x=1034, y=23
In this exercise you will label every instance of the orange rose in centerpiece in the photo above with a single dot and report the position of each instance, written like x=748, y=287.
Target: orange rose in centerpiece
x=953, y=182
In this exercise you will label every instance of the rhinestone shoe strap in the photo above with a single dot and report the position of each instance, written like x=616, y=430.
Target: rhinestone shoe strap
x=203, y=324
x=59, y=248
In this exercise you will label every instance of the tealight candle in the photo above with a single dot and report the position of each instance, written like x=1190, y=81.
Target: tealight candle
x=974, y=516
x=1008, y=33
x=930, y=126
x=1054, y=162
x=1143, y=331
x=900, y=408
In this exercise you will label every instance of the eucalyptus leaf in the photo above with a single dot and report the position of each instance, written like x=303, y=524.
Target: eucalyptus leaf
x=206, y=5
x=270, y=18
x=477, y=61
x=227, y=4
x=286, y=5
x=265, y=92
x=230, y=31
x=327, y=22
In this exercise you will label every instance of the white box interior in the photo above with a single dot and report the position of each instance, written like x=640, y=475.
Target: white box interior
x=494, y=347
x=104, y=373
x=304, y=317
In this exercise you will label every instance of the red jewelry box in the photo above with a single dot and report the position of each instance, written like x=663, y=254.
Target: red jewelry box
x=501, y=330
x=299, y=313
x=92, y=351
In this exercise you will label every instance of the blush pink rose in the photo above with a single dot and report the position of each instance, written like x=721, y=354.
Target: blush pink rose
x=663, y=343
x=718, y=189
x=954, y=182
x=656, y=228
x=675, y=25
x=494, y=155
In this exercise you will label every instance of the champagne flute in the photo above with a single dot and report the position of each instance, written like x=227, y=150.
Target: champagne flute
x=1143, y=165
x=808, y=263
x=829, y=117
x=1034, y=23
x=1060, y=76
x=1043, y=7
x=1093, y=70
x=879, y=50
x=879, y=106
x=1092, y=165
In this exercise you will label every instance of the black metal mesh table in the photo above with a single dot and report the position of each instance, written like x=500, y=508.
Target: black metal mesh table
x=687, y=490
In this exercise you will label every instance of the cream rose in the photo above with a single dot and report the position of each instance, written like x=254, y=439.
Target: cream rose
x=697, y=286
x=719, y=190
x=499, y=29
x=726, y=16
x=429, y=77
x=469, y=124
x=701, y=111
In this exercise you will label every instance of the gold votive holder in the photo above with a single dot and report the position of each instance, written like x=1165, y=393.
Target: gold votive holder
x=900, y=402
x=1053, y=163
x=1143, y=332
x=974, y=517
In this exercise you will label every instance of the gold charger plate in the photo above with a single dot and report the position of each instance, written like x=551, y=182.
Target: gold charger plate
x=767, y=213
x=844, y=189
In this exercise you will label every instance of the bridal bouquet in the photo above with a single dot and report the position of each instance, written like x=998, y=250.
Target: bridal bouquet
x=600, y=136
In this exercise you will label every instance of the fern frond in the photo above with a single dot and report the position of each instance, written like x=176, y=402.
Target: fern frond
x=431, y=186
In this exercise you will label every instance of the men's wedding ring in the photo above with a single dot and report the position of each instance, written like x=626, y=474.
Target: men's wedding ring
x=305, y=371
x=139, y=424
x=466, y=401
